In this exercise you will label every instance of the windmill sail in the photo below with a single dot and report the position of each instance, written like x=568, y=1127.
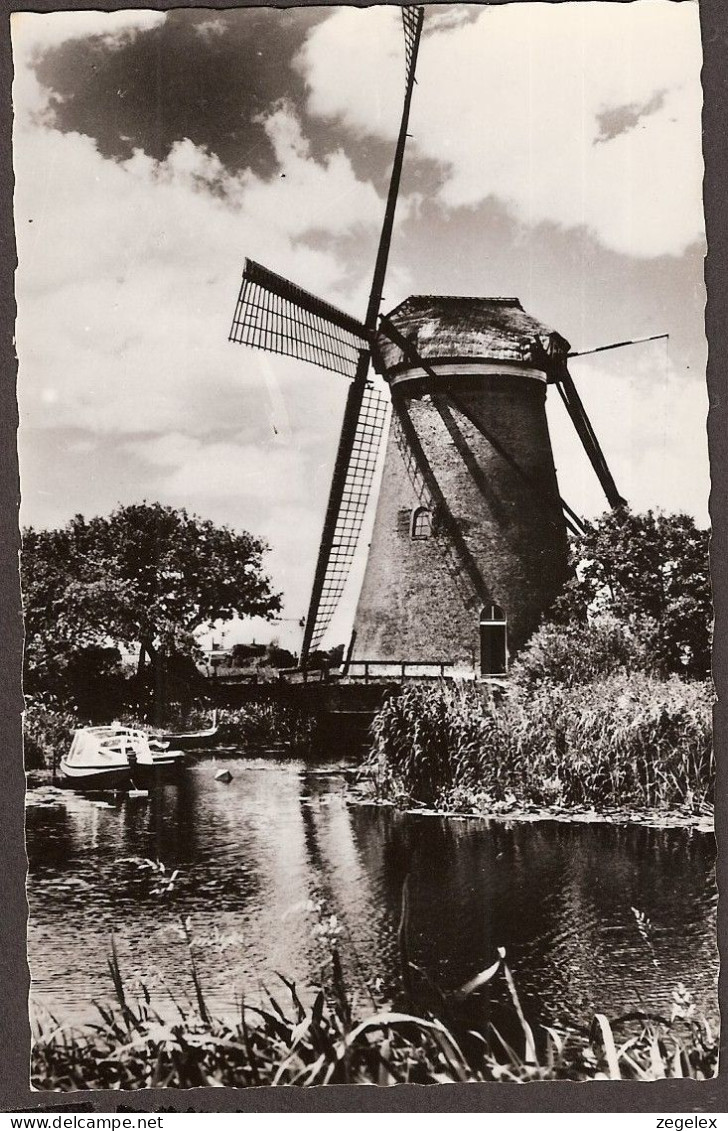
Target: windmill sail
x=572, y=401
x=329, y=578
x=276, y=315
x=575, y=408
x=350, y=515
x=412, y=25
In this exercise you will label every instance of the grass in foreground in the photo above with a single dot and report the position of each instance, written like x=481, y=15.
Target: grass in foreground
x=333, y=1039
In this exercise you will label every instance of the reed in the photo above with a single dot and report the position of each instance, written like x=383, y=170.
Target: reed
x=266, y=725
x=634, y=741
x=325, y=1037
x=619, y=741
x=428, y=741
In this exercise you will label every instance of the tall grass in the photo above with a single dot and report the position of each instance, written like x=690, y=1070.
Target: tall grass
x=626, y=740
x=326, y=1037
x=429, y=740
x=266, y=725
x=623, y=740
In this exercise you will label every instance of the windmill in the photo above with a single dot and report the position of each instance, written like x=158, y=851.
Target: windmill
x=470, y=536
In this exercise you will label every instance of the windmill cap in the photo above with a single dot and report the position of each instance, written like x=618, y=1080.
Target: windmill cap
x=441, y=327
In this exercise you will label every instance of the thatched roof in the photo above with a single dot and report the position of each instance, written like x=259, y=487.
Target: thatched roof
x=496, y=329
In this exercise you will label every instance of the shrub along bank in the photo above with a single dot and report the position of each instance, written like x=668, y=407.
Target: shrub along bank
x=582, y=724
x=47, y=730
x=266, y=727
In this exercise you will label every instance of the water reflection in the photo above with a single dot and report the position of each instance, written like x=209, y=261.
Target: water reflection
x=561, y=898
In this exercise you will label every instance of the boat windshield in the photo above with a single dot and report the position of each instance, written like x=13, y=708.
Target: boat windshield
x=108, y=744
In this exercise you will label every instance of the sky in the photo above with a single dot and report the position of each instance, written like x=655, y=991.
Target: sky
x=555, y=155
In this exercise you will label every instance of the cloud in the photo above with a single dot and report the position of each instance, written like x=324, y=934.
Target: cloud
x=512, y=103
x=365, y=45
x=38, y=31
x=187, y=74
x=35, y=33
x=128, y=274
x=313, y=196
x=223, y=469
x=621, y=119
x=210, y=29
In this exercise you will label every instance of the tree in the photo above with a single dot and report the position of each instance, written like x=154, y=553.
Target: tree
x=651, y=571
x=148, y=576
x=572, y=653
x=278, y=657
x=329, y=658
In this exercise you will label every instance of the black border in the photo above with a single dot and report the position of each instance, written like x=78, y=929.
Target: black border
x=658, y=1097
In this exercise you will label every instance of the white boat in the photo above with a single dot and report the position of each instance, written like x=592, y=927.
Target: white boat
x=116, y=757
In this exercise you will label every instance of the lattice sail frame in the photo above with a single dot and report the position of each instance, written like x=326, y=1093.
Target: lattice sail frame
x=411, y=23
x=274, y=314
x=357, y=490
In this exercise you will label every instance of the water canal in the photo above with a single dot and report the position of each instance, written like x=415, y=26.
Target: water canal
x=251, y=853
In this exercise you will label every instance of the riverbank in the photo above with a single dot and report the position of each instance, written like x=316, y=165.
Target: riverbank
x=486, y=811
x=478, y=1034
x=48, y=729
x=624, y=748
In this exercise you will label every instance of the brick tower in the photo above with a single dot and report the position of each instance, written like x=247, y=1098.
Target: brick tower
x=469, y=545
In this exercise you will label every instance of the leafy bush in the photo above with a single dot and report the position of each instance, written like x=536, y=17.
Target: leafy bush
x=651, y=570
x=580, y=652
x=47, y=729
x=267, y=724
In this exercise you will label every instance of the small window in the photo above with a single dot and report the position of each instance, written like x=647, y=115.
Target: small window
x=493, y=641
x=421, y=526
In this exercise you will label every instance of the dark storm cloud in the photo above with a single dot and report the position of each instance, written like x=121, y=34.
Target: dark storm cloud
x=201, y=75
x=622, y=119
